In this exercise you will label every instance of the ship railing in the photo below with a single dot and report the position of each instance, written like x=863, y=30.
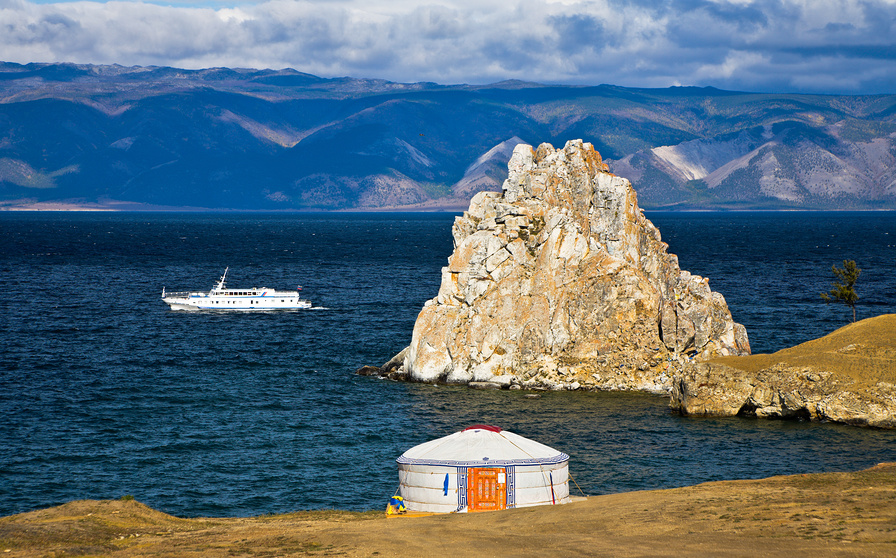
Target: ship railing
x=177, y=294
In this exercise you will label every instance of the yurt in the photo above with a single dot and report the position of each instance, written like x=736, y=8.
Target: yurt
x=482, y=468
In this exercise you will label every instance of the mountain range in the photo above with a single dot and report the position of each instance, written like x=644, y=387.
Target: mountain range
x=108, y=136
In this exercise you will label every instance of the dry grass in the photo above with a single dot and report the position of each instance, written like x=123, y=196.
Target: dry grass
x=864, y=351
x=834, y=514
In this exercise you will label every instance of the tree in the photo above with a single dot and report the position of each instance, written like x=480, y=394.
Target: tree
x=844, y=290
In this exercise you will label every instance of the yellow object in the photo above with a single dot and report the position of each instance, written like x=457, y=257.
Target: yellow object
x=396, y=505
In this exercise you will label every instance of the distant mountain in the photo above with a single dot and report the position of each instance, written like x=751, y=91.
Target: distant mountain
x=113, y=136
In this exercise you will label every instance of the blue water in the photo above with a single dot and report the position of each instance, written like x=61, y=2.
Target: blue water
x=104, y=392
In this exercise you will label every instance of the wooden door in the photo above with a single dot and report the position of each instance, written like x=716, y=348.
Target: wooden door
x=486, y=489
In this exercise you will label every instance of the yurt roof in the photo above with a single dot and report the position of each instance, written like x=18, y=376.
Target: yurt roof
x=482, y=445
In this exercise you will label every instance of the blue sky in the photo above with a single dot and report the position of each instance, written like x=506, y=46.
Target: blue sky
x=813, y=46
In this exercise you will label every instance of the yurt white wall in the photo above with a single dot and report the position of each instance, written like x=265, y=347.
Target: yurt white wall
x=423, y=488
x=543, y=485
x=473, y=469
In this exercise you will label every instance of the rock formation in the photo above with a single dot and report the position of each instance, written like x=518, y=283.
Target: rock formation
x=848, y=376
x=561, y=282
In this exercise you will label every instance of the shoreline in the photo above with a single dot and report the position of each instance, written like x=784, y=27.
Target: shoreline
x=837, y=514
x=449, y=206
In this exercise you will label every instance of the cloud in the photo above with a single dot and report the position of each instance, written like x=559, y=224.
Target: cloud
x=825, y=46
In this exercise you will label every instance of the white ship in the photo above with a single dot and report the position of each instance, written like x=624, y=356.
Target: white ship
x=222, y=298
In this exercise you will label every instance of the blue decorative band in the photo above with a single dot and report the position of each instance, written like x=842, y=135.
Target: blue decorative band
x=461, y=488
x=560, y=458
x=511, y=486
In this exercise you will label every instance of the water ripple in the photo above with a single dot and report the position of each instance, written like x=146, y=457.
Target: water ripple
x=105, y=392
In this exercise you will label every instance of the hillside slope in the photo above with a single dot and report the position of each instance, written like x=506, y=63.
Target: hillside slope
x=847, y=376
x=265, y=139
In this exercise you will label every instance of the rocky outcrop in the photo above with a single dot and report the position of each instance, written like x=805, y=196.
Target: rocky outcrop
x=561, y=282
x=848, y=376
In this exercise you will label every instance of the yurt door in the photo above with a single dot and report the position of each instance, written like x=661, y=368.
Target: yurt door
x=486, y=489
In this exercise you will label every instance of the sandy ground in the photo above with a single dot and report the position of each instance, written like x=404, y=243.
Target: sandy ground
x=831, y=514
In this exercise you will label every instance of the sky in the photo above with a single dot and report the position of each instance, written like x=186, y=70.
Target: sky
x=801, y=46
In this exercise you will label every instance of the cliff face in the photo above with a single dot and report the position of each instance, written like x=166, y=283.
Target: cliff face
x=560, y=281
x=847, y=376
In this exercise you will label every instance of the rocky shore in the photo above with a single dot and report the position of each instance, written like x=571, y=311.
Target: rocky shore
x=560, y=282
x=848, y=376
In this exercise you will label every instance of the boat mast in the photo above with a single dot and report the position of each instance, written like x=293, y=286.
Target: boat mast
x=221, y=282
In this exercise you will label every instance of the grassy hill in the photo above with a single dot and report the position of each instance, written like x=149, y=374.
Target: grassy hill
x=847, y=376
x=863, y=352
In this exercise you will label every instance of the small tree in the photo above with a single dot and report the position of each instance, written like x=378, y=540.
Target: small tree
x=844, y=290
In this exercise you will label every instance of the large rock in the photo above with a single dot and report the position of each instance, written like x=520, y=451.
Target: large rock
x=561, y=282
x=848, y=376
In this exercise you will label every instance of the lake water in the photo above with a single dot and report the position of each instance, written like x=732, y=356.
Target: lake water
x=105, y=392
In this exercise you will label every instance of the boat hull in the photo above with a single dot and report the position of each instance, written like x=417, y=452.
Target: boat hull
x=205, y=302
x=222, y=298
